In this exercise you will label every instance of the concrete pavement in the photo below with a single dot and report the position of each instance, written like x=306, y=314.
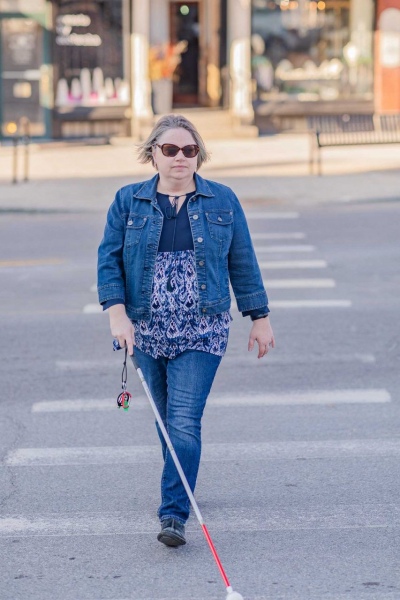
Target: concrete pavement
x=267, y=170
x=299, y=484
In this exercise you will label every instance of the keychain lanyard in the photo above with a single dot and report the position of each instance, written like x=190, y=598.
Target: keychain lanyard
x=124, y=398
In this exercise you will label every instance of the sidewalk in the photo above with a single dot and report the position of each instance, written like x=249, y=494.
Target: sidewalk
x=269, y=170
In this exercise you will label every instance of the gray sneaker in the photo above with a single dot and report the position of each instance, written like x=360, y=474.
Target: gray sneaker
x=172, y=533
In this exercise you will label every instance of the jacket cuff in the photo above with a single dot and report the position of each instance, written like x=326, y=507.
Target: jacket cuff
x=251, y=302
x=257, y=313
x=109, y=303
x=111, y=291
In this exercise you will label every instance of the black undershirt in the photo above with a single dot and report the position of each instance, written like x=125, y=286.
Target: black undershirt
x=176, y=234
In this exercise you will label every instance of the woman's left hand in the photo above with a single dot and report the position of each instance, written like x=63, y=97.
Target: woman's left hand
x=262, y=333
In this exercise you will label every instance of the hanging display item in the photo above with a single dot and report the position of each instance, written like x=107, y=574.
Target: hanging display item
x=90, y=54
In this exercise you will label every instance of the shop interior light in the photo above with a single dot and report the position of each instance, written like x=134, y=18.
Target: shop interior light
x=321, y=5
x=284, y=4
x=293, y=5
x=351, y=54
x=184, y=10
x=11, y=128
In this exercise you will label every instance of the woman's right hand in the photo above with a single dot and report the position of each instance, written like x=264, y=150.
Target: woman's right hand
x=121, y=327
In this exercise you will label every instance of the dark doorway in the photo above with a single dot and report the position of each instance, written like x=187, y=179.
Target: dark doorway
x=184, y=25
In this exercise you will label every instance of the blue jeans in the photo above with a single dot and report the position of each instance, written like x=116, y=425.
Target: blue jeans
x=179, y=387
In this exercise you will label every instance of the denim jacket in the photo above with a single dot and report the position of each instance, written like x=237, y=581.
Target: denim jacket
x=223, y=249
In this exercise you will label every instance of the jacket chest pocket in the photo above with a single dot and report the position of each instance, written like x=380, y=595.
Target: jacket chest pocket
x=220, y=225
x=134, y=229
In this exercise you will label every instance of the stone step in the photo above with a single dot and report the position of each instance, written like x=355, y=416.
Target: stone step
x=211, y=123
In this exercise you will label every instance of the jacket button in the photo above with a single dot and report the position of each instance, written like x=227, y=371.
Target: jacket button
x=201, y=263
x=204, y=310
x=200, y=239
x=195, y=217
x=130, y=222
x=219, y=219
x=203, y=287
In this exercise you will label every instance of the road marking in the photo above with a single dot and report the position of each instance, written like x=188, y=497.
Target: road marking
x=273, y=358
x=251, y=518
x=272, y=215
x=86, y=365
x=310, y=303
x=293, y=304
x=31, y=262
x=91, y=309
x=293, y=264
x=280, y=284
x=24, y=457
x=301, y=248
x=286, y=450
x=278, y=236
x=317, y=397
x=29, y=312
x=83, y=405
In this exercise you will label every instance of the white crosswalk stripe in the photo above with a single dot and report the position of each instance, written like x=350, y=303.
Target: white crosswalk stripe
x=285, y=249
x=84, y=405
x=296, y=235
x=92, y=309
x=310, y=304
x=272, y=215
x=287, y=450
x=330, y=398
x=293, y=264
x=97, y=309
x=281, y=284
x=346, y=516
x=238, y=359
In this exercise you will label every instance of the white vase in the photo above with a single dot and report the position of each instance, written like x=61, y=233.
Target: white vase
x=162, y=96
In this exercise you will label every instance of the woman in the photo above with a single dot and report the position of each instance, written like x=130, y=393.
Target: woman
x=170, y=247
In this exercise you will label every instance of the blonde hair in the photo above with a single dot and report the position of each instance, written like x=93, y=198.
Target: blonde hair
x=145, y=149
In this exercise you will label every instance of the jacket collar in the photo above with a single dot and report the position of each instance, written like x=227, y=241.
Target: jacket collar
x=148, y=190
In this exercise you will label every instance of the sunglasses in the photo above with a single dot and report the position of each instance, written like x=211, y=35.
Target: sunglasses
x=171, y=150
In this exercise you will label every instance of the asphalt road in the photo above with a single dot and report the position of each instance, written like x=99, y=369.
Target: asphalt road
x=299, y=483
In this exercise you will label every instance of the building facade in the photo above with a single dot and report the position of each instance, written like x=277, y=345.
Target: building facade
x=103, y=67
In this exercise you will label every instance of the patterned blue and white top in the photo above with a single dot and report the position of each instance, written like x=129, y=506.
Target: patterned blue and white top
x=176, y=324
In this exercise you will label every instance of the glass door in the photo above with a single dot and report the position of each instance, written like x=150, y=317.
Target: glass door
x=21, y=68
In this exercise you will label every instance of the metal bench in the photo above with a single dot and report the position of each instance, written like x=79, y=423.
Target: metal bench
x=350, y=130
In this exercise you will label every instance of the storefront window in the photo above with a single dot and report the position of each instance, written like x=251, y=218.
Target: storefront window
x=312, y=50
x=23, y=6
x=22, y=73
x=89, y=53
